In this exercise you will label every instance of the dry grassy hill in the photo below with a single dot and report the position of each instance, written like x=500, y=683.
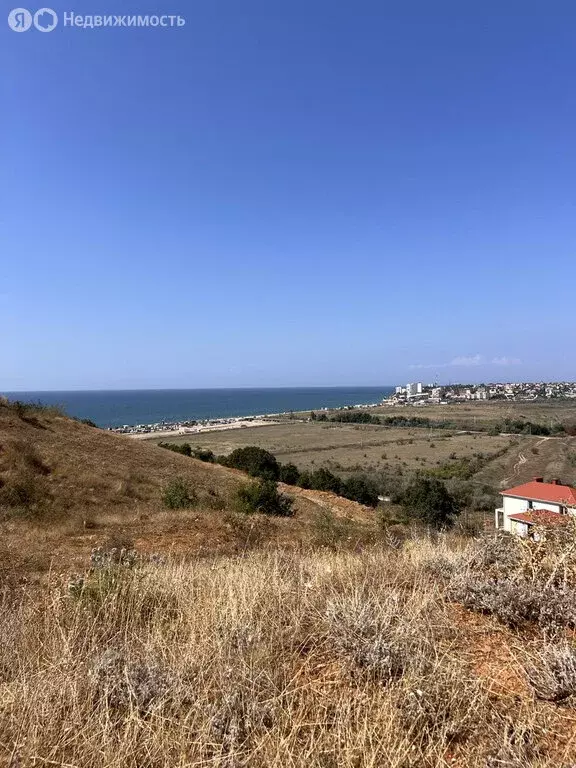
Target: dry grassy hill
x=445, y=652
x=66, y=488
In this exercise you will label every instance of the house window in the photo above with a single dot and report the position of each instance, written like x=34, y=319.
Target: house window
x=530, y=504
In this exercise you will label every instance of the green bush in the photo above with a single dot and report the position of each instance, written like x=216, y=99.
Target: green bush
x=430, y=501
x=323, y=480
x=255, y=461
x=289, y=474
x=178, y=495
x=361, y=490
x=183, y=448
x=204, y=454
x=263, y=496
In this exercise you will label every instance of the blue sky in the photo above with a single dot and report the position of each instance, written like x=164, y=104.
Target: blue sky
x=284, y=194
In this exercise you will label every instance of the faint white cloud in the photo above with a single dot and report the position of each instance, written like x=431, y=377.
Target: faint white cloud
x=467, y=361
x=462, y=361
x=506, y=361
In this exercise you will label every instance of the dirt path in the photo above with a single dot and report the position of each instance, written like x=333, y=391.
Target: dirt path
x=522, y=460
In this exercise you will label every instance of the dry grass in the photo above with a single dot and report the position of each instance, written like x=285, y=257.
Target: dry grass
x=280, y=654
x=343, y=448
x=270, y=659
x=66, y=488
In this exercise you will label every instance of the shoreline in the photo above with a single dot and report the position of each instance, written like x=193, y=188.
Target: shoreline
x=237, y=423
x=178, y=429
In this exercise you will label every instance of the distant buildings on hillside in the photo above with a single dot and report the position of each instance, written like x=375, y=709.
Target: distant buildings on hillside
x=432, y=394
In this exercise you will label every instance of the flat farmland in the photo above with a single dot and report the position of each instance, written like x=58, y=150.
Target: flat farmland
x=488, y=413
x=347, y=448
x=353, y=447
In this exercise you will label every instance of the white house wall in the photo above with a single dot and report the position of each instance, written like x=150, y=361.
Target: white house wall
x=514, y=506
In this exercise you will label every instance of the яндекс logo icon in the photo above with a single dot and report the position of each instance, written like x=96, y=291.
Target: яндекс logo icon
x=20, y=20
x=45, y=20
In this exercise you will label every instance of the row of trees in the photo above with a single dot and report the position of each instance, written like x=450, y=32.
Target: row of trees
x=514, y=426
x=522, y=427
x=426, y=499
x=262, y=464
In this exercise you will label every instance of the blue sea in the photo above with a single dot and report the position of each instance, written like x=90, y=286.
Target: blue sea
x=109, y=408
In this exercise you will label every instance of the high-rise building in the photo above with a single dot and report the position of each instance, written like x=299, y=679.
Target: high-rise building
x=414, y=389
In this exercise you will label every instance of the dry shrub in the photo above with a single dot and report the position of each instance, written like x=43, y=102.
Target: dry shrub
x=312, y=660
x=124, y=684
x=521, y=581
x=368, y=635
x=23, y=485
x=516, y=603
x=552, y=672
x=250, y=531
x=444, y=704
x=497, y=554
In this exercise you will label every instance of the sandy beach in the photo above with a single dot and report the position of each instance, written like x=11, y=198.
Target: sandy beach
x=237, y=424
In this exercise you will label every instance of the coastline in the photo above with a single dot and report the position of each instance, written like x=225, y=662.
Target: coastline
x=152, y=431
x=237, y=423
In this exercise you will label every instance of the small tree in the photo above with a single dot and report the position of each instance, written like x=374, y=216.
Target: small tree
x=323, y=480
x=256, y=461
x=429, y=500
x=204, y=454
x=360, y=490
x=289, y=474
x=263, y=496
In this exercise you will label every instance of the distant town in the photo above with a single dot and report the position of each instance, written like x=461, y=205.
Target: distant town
x=432, y=394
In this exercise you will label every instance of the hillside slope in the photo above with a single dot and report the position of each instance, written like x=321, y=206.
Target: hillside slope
x=66, y=487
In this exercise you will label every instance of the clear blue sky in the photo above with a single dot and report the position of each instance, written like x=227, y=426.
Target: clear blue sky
x=289, y=193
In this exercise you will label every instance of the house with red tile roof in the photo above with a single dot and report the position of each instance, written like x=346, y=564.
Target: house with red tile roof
x=533, y=503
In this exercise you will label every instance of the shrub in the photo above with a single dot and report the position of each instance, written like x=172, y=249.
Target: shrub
x=328, y=531
x=204, y=454
x=183, y=448
x=429, y=500
x=263, y=496
x=305, y=479
x=516, y=603
x=215, y=501
x=552, y=674
x=255, y=461
x=446, y=703
x=88, y=422
x=365, y=635
x=361, y=490
x=124, y=684
x=289, y=474
x=323, y=480
x=178, y=495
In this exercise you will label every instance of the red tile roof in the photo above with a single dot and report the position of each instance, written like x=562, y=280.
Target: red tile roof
x=541, y=517
x=547, y=492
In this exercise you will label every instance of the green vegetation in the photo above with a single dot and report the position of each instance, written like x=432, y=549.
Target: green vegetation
x=204, y=454
x=177, y=494
x=183, y=448
x=508, y=426
x=289, y=474
x=260, y=463
x=263, y=496
x=465, y=467
x=255, y=461
x=429, y=501
x=523, y=427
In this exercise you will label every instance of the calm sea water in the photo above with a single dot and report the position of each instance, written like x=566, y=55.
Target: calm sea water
x=113, y=409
